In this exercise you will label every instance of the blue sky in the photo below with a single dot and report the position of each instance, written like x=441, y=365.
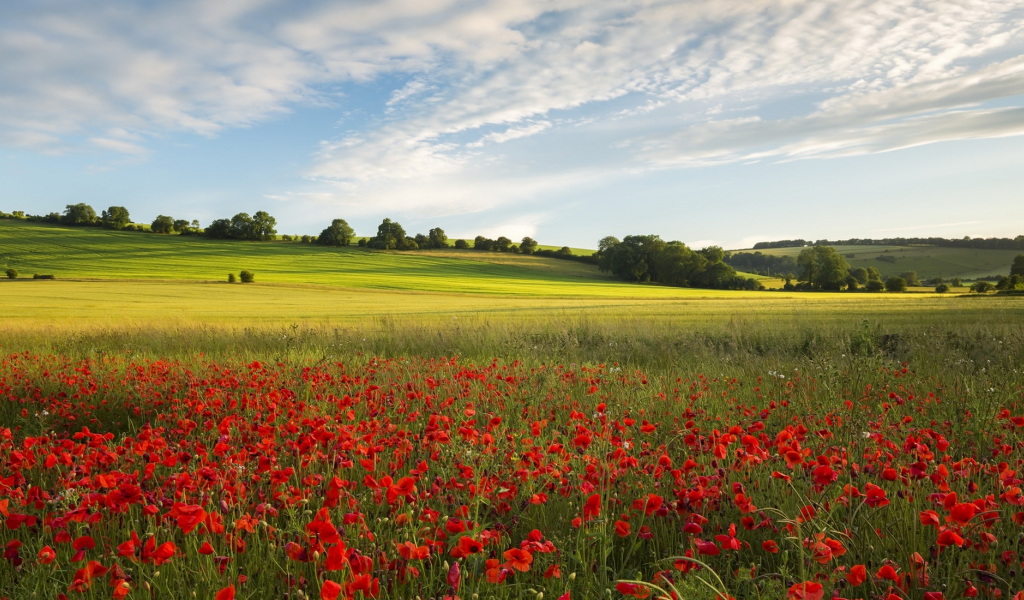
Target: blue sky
x=710, y=122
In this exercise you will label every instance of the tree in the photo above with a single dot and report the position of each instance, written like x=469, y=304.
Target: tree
x=338, y=234
x=78, y=214
x=437, y=238
x=678, y=265
x=860, y=274
x=956, y=282
x=231, y=278
x=528, y=245
x=634, y=258
x=482, y=243
x=942, y=288
x=219, y=229
x=11, y=273
x=241, y=227
x=263, y=227
x=501, y=244
x=181, y=226
x=247, y=276
x=874, y=285
x=873, y=274
x=391, y=236
x=115, y=217
x=823, y=268
x=1017, y=268
x=981, y=287
x=911, y=278
x=162, y=224
x=461, y=244
x=896, y=284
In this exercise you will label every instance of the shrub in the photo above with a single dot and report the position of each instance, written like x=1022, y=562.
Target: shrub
x=942, y=288
x=247, y=276
x=956, y=282
x=461, y=244
x=874, y=285
x=231, y=278
x=896, y=284
x=11, y=273
x=38, y=276
x=981, y=287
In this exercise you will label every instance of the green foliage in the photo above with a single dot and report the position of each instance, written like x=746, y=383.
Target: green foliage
x=861, y=275
x=162, y=224
x=956, y=282
x=1017, y=268
x=528, y=245
x=338, y=234
x=942, y=288
x=895, y=284
x=247, y=276
x=115, y=217
x=231, y=278
x=38, y=276
x=437, y=238
x=982, y=287
x=874, y=286
x=823, y=268
x=911, y=278
x=461, y=244
x=11, y=273
x=391, y=236
x=1013, y=282
x=78, y=214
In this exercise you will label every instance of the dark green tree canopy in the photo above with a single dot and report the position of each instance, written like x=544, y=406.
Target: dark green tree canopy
x=391, y=236
x=263, y=227
x=822, y=268
x=115, y=217
x=338, y=234
x=528, y=245
x=162, y=224
x=1017, y=268
x=436, y=238
x=79, y=214
x=896, y=284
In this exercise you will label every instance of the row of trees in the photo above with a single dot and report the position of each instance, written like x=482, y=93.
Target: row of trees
x=1016, y=243
x=260, y=227
x=648, y=258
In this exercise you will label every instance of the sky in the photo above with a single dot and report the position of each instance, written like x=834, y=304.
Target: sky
x=712, y=122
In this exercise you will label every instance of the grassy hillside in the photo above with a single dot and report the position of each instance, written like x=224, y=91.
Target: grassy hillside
x=92, y=253
x=928, y=261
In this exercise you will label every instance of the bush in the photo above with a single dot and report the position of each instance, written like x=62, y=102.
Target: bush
x=942, y=288
x=956, y=282
x=247, y=276
x=874, y=285
x=896, y=284
x=231, y=278
x=981, y=287
x=38, y=276
x=11, y=273
x=462, y=244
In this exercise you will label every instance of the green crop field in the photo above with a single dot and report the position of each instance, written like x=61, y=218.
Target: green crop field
x=927, y=261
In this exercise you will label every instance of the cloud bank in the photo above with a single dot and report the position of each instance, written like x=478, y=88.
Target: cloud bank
x=494, y=102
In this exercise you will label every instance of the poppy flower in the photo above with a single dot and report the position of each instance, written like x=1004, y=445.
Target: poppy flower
x=621, y=528
x=329, y=590
x=227, y=593
x=808, y=590
x=519, y=560
x=46, y=555
x=858, y=574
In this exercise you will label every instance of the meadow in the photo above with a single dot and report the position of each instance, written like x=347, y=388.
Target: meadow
x=449, y=425
x=927, y=261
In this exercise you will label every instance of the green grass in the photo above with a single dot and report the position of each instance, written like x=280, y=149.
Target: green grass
x=928, y=261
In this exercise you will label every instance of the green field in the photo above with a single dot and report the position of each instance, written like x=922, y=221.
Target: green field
x=927, y=261
x=91, y=253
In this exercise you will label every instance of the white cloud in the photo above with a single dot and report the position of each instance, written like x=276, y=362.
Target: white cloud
x=486, y=87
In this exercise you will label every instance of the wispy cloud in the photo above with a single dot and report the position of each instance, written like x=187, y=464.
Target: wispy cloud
x=530, y=92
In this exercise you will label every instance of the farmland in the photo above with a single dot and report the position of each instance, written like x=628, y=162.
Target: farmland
x=458, y=424
x=927, y=261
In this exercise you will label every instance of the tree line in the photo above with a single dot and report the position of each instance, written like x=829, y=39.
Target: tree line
x=648, y=258
x=992, y=243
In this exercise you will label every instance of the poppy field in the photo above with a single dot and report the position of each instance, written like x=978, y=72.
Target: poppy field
x=849, y=477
